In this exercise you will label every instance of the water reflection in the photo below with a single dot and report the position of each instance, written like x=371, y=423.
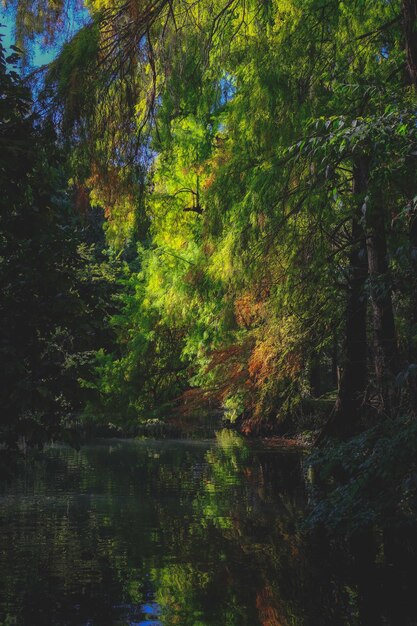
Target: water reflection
x=188, y=533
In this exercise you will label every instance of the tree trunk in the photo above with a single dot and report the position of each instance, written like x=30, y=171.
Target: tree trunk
x=385, y=344
x=314, y=376
x=412, y=343
x=409, y=20
x=345, y=417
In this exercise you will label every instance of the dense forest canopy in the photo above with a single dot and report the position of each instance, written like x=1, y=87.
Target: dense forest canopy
x=209, y=205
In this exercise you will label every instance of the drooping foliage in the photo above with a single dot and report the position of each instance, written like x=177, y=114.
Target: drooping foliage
x=262, y=139
x=255, y=166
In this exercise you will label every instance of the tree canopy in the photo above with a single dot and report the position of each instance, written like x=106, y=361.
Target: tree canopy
x=254, y=167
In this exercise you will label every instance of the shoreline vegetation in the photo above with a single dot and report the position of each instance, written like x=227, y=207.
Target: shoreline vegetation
x=211, y=208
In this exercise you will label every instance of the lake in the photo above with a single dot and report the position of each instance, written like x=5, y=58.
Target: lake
x=187, y=533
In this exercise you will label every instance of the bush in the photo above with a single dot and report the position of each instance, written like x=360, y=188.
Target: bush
x=369, y=481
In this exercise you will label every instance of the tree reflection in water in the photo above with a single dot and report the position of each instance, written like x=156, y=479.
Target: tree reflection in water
x=187, y=533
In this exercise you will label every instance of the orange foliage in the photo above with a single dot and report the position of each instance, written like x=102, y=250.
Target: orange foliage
x=209, y=248
x=267, y=359
x=209, y=181
x=193, y=400
x=261, y=362
x=250, y=309
x=230, y=364
x=194, y=276
x=268, y=613
x=82, y=199
x=231, y=375
x=109, y=188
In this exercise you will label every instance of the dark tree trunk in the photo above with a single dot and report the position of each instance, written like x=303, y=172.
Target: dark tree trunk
x=335, y=363
x=409, y=20
x=354, y=373
x=353, y=382
x=314, y=376
x=385, y=355
x=385, y=344
x=412, y=346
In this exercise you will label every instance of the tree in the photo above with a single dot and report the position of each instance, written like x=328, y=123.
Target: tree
x=54, y=292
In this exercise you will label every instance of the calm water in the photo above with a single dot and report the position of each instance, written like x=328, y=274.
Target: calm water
x=178, y=533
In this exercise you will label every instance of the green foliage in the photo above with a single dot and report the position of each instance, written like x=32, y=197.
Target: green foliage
x=69, y=76
x=139, y=380
x=52, y=297
x=368, y=481
x=224, y=139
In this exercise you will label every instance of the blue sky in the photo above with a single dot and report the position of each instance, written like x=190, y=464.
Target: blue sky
x=39, y=54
